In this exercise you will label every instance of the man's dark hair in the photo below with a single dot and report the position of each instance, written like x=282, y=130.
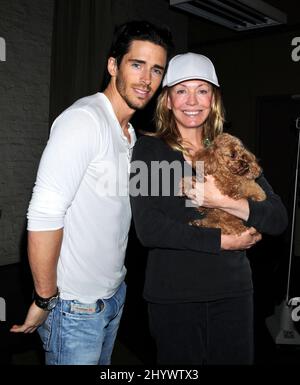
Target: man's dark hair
x=142, y=30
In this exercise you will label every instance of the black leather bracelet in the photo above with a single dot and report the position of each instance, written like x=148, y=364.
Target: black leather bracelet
x=46, y=304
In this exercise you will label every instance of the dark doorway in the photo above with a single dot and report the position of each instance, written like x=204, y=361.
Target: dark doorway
x=276, y=148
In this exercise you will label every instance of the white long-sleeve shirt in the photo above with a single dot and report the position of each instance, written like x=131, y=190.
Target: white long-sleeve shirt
x=82, y=186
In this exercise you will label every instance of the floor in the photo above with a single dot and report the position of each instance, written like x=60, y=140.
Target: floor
x=121, y=356
x=268, y=353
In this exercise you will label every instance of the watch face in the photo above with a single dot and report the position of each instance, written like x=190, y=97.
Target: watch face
x=52, y=303
x=46, y=303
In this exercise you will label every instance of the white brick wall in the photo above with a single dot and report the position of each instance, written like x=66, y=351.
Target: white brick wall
x=26, y=26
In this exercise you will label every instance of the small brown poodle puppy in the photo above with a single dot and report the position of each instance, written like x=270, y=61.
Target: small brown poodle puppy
x=235, y=170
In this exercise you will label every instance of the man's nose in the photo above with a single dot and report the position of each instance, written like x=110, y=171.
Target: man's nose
x=146, y=77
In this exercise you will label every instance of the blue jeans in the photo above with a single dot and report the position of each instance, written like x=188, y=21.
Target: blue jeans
x=76, y=333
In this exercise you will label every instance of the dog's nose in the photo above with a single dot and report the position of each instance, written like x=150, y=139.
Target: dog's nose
x=243, y=167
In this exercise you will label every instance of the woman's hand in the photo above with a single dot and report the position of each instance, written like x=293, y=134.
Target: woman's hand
x=208, y=195
x=240, y=242
x=203, y=194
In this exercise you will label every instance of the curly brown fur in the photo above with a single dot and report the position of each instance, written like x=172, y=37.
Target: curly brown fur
x=235, y=169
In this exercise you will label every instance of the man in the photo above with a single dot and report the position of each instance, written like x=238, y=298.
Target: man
x=78, y=227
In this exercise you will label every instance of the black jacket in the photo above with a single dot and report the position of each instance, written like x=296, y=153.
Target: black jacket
x=185, y=263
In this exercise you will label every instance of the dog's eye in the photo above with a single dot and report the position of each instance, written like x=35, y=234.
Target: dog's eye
x=233, y=155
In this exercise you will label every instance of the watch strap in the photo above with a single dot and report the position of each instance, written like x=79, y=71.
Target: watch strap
x=42, y=302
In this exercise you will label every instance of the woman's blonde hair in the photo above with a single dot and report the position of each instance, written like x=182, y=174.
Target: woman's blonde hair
x=166, y=127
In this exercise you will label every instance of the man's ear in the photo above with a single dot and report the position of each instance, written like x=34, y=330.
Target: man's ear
x=112, y=66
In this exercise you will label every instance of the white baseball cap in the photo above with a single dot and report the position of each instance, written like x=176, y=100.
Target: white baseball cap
x=190, y=66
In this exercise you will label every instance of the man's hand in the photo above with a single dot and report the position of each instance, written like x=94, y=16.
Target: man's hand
x=240, y=242
x=35, y=317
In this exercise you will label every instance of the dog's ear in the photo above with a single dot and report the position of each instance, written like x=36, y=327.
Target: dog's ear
x=210, y=162
x=208, y=157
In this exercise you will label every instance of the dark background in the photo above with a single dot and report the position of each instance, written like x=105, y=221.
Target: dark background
x=56, y=53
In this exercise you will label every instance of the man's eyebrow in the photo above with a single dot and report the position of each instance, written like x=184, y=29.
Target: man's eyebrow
x=144, y=62
x=159, y=67
x=137, y=61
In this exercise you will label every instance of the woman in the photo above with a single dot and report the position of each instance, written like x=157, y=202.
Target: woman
x=198, y=281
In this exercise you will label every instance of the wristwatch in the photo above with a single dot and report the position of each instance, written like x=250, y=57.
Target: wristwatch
x=46, y=304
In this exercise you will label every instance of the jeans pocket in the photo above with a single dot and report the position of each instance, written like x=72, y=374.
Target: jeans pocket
x=45, y=331
x=80, y=310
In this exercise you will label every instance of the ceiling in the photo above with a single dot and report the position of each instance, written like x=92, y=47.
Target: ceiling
x=202, y=31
